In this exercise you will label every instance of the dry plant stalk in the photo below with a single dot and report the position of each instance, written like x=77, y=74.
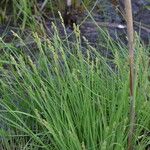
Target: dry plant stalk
x=130, y=31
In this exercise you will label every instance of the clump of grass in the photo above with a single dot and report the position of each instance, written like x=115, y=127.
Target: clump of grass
x=66, y=99
x=17, y=11
x=24, y=12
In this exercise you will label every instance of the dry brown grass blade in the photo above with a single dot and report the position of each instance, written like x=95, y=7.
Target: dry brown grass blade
x=130, y=31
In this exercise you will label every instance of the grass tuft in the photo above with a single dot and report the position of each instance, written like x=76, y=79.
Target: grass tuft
x=68, y=99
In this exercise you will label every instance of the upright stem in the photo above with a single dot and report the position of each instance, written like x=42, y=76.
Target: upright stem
x=130, y=31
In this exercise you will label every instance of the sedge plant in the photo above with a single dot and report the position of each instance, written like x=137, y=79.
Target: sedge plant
x=71, y=97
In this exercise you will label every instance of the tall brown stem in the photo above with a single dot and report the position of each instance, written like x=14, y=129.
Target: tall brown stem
x=130, y=31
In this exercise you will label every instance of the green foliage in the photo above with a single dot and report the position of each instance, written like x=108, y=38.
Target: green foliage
x=66, y=99
x=18, y=11
x=63, y=96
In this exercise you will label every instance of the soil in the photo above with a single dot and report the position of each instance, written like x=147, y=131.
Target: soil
x=107, y=17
